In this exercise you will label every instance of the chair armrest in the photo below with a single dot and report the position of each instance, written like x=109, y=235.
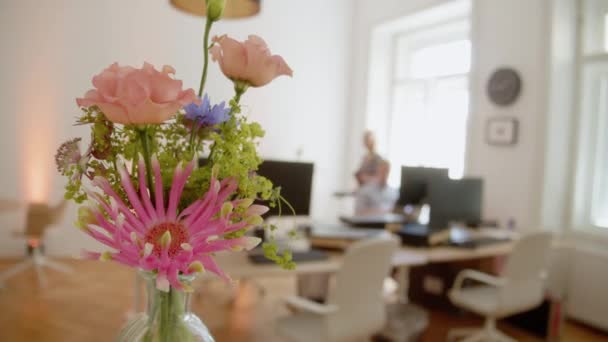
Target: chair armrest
x=303, y=304
x=476, y=275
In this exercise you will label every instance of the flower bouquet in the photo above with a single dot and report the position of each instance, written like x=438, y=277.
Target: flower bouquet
x=147, y=200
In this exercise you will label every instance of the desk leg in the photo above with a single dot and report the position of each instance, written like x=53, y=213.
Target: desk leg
x=403, y=281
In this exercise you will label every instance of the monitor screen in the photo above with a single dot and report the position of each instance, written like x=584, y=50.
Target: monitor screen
x=455, y=201
x=415, y=181
x=295, y=180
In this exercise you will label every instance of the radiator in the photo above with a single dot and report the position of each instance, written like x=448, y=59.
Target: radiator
x=587, y=281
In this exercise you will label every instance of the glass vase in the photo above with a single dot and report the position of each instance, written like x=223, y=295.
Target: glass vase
x=167, y=318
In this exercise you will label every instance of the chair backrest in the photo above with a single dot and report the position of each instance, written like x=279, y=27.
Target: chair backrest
x=526, y=266
x=58, y=212
x=358, y=290
x=40, y=216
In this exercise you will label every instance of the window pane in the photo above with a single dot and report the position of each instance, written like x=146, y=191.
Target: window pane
x=599, y=214
x=606, y=32
x=442, y=59
x=401, y=61
x=408, y=127
x=428, y=126
x=595, y=27
x=449, y=105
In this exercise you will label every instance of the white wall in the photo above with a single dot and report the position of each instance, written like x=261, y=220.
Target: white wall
x=50, y=51
x=505, y=33
x=510, y=33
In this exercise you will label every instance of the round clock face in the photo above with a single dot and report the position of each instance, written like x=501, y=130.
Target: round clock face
x=504, y=86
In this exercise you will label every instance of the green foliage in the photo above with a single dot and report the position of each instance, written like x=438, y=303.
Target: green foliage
x=272, y=252
x=73, y=189
x=230, y=147
x=235, y=234
x=233, y=151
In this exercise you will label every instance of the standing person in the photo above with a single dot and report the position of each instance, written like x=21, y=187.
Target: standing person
x=373, y=195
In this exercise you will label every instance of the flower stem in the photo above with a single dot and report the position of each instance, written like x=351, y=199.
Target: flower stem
x=237, y=97
x=145, y=145
x=208, y=24
x=164, y=327
x=178, y=306
x=240, y=88
x=192, y=132
x=153, y=311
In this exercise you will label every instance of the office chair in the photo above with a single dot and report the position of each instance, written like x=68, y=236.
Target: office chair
x=39, y=218
x=355, y=308
x=521, y=288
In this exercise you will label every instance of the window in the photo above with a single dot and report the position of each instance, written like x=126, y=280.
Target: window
x=591, y=201
x=429, y=101
x=595, y=27
x=606, y=32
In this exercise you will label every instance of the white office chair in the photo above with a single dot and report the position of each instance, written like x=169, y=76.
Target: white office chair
x=521, y=288
x=355, y=308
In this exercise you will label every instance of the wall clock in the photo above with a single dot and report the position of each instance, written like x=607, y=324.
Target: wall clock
x=504, y=86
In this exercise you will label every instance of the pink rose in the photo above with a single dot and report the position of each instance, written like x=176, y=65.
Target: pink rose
x=249, y=61
x=137, y=96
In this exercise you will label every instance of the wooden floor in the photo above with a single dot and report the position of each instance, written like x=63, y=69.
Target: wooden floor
x=93, y=303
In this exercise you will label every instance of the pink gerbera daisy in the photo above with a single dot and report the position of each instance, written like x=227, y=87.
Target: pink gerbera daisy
x=158, y=238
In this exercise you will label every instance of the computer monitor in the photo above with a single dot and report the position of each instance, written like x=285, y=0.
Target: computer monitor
x=415, y=182
x=455, y=201
x=295, y=180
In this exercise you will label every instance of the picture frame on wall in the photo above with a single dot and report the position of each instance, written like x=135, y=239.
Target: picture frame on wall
x=502, y=131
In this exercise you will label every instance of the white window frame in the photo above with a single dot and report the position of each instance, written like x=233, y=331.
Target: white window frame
x=446, y=35
x=592, y=106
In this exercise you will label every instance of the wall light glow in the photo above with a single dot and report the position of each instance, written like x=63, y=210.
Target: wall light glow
x=36, y=132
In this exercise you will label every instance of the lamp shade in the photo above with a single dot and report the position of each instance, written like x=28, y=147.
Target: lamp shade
x=233, y=9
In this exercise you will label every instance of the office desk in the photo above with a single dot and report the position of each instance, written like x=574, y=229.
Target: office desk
x=238, y=265
x=448, y=254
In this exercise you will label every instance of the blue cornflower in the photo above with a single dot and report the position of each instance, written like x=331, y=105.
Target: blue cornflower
x=206, y=115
